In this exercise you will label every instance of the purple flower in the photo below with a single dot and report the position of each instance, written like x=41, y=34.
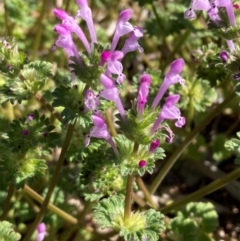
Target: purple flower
x=25, y=132
x=169, y=112
x=105, y=56
x=224, y=56
x=131, y=44
x=145, y=81
x=100, y=130
x=6, y=44
x=122, y=27
x=196, y=5
x=142, y=164
x=65, y=41
x=229, y=8
x=111, y=93
x=172, y=77
x=154, y=145
x=114, y=66
x=86, y=13
x=41, y=228
x=91, y=101
x=69, y=23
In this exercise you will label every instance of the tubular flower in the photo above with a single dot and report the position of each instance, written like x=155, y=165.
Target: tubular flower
x=229, y=9
x=91, y=101
x=86, y=14
x=114, y=66
x=169, y=112
x=196, y=5
x=145, y=81
x=122, y=27
x=100, y=130
x=131, y=44
x=154, y=145
x=65, y=41
x=172, y=77
x=110, y=92
x=41, y=228
x=224, y=56
x=69, y=23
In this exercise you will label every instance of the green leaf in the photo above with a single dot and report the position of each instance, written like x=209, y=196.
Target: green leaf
x=194, y=222
x=109, y=213
x=7, y=233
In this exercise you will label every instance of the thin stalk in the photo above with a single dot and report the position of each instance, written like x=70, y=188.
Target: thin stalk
x=39, y=25
x=145, y=191
x=52, y=183
x=176, y=154
x=128, y=197
x=7, y=20
x=44, y=102
x=8, y=201
x=50, y=206
x=110, y=123
x=67, y=5
x=215, y=185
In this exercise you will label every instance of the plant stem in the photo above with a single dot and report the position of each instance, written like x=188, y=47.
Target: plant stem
x=217, y=184
x=44, y=102
x=50, y=206
x=8, y=201
x=40, y=27
x=52, y=183
x=145, y=191
x=128, y=197
x=163, y=172
x=7, y=20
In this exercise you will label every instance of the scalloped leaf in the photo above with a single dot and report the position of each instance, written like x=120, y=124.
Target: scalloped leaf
x=7, y=232
x=109, y=213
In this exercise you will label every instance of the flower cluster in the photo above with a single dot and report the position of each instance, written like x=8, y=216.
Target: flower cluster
x=212, y=8
x=113, y=75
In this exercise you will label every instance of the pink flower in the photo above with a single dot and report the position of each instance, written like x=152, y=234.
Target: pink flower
x=142, y=164
x=41, y=228
x=65, y=41
x=131, y=44
x=100, y=130
x=122, y=27
x=91, y=101
x=114, y=66
x=70, y=24
x=110, y=92
x=154, y=145
x=169, y=112
x=171, y=78
x=86, y=13
x=145, y=81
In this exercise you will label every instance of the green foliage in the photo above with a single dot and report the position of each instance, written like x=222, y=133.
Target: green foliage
x=7, y=233
x=233, y=145
x=210, y=66
x=168, y=22
x=24, y=146
x=138, y=129
x=32, y=78
x=109, y=213
x=89, y=72
x=11, y=60
x=197, y=93
x=70, y=95
x=129, y=158
x=194, y=223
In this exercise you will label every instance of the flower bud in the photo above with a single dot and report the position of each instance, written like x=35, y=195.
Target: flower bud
x=142, y=163
x=154, y=145
x=224, y=56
